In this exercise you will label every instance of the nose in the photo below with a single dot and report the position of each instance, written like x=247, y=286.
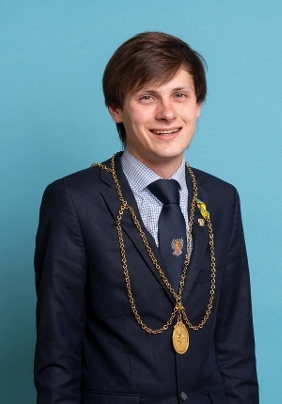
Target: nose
x=165, y=111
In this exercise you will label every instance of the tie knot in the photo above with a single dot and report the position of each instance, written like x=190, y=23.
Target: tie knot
x=167, y=191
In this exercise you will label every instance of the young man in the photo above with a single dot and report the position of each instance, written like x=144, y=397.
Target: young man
x=141, y=268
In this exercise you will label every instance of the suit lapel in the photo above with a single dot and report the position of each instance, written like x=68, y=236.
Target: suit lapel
x=200, y=240
x=111, y=199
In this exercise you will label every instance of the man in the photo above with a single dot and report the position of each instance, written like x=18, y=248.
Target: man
x=131, y=309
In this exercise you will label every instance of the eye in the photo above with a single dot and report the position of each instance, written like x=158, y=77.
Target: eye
x=180, y=95
x=145, y=97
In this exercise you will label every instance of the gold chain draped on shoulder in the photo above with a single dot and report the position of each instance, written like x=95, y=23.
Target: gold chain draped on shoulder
x=178, y=309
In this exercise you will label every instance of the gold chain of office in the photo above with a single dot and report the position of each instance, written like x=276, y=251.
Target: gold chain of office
x=178, y=310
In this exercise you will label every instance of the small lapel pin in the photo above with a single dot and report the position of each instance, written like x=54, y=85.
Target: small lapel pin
x=201, y=222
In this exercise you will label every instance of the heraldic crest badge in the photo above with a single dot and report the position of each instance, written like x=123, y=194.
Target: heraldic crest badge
x=177, y=245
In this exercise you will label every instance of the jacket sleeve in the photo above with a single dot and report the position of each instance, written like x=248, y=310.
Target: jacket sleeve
x=234, y=337
x=61, y=271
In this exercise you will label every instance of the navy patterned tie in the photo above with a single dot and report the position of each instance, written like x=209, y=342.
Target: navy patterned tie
x=172, y=229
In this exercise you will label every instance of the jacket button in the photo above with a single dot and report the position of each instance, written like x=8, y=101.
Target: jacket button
x=183, y=396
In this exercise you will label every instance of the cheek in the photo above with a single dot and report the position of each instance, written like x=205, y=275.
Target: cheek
x=134, y=120
x=190, y=112
x=191, y=118
x=142, y=116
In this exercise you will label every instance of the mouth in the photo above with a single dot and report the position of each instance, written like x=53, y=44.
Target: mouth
x=165, y=132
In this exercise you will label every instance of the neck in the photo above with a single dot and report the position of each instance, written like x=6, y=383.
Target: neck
x=163, y=168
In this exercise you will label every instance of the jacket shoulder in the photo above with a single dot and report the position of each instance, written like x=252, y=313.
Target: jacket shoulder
x=87, y=178
x=206, y=177
x=210, y=181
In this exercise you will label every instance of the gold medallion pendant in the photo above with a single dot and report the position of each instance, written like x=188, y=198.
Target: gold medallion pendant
x=180, y=338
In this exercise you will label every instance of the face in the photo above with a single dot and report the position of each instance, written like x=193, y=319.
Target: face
x=160, y=121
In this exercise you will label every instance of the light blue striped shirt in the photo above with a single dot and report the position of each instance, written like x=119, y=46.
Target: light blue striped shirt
x=139, y=177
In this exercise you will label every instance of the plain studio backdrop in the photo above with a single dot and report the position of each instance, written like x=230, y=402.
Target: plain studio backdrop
x=53, y=122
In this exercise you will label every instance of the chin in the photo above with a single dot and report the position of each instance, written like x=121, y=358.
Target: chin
x=173, y=153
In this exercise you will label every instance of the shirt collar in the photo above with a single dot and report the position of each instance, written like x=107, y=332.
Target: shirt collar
x=141, y=176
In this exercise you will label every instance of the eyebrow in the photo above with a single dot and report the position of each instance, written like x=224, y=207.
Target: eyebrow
x=148, y=90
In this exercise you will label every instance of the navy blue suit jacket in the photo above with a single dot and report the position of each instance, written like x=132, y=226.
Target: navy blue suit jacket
x=90, y=348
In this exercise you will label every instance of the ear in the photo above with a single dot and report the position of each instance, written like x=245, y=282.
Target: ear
x=199, y=106
x=116, y=114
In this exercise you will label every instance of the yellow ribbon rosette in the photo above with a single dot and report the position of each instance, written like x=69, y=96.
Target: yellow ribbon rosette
x=203, y=209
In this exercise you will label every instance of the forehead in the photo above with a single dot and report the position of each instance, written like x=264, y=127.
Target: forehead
x=182, y=78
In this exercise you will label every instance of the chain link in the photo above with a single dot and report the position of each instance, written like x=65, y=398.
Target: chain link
x=178, y=309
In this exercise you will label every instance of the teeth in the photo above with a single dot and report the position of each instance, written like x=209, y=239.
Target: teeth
x=165, y=132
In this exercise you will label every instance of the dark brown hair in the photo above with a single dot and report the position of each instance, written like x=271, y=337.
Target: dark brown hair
x=150, y=57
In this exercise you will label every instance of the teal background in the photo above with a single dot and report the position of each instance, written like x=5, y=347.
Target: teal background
x=53, y=122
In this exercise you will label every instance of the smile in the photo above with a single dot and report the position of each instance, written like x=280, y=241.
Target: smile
x=165, y=132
